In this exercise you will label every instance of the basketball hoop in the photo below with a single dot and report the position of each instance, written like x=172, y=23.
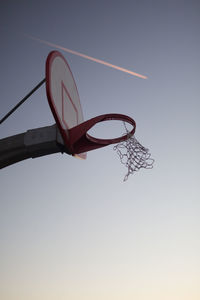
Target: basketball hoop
x=65, y=104
x=70, y=135
x=80, y=141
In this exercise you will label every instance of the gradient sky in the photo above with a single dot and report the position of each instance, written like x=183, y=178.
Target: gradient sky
x=72, y=229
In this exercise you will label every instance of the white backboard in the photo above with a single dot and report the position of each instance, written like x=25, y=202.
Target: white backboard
x=63, y=95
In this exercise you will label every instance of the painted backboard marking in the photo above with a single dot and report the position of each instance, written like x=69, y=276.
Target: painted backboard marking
x=63, y=95
x=68, y=108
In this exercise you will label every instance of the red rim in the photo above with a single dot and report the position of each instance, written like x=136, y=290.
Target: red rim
x=117, y=117
x=81, y=141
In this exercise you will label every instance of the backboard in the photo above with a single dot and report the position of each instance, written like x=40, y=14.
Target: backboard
x=63, y=96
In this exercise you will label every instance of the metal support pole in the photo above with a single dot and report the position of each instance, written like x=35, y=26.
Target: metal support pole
x=22, y=101
x=31, y=144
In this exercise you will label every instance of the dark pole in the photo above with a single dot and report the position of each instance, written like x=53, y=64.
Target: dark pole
x=31, y=144
x=22, y=101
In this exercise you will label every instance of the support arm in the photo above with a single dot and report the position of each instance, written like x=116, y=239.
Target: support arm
x=31, y=144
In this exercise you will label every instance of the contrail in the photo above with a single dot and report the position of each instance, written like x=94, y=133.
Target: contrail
x=88, y=57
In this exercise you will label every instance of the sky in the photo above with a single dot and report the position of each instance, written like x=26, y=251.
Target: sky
x=70, y=228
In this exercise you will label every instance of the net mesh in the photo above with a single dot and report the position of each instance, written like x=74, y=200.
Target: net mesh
x=133, y=155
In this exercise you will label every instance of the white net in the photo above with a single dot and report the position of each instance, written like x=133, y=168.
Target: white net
x=133, y=155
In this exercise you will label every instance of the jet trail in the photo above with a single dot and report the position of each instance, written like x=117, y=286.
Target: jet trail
x=88, y=57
